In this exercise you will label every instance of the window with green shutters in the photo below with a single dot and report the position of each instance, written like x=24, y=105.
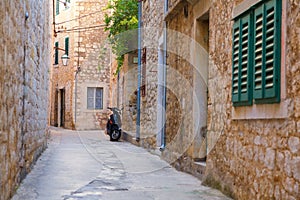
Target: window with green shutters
x=67, y=45
x=256, y=55
x=56, y=54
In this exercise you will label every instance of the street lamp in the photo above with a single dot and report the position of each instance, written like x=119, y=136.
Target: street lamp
x=65, y=59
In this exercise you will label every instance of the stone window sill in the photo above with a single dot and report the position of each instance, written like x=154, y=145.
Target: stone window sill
x=261, y=111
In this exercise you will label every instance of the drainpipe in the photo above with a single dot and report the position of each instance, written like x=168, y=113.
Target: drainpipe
x=164, y=97
x=118, y=90
x=76, y=74
x=138, y=117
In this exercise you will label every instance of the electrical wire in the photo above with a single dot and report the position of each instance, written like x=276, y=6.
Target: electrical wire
x=82, y=28
x=63, y=22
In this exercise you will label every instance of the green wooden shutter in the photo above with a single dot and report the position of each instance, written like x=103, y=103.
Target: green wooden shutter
x=241, y=73
x=67, y=45
x=235, y=62
x=57, y=7
x=56, y=54
x=266, y=74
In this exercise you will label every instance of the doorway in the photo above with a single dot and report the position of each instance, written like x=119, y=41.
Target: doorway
x=201, y=61
x=62, y=107
x=56, y=108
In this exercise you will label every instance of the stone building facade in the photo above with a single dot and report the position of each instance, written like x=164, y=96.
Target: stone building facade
x=124, y=86
x=252, y=150
x=187, y=84
x=80, y=91
x=123, y=91
x=251, y=147
x=25, y=59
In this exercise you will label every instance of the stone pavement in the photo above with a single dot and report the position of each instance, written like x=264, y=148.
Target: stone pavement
x=86, y=165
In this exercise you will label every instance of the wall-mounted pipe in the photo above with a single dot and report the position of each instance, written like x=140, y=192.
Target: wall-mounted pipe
x=164, y=96
x=138, y=117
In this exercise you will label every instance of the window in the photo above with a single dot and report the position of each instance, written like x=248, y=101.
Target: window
x=67, y=45
x=94, y=98
x=57, y=7
x=256, y=55
x=56, y=54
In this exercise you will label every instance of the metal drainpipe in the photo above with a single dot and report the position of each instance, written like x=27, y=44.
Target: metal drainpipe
x=75, y=117
x=164, y=102
x=138, y=117
x=118, y=90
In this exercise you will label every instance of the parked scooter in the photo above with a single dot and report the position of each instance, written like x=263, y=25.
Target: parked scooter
x=114, y=124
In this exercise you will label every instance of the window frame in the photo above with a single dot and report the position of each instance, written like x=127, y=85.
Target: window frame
x=94, y=98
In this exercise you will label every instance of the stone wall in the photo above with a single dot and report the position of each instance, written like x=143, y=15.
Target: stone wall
x=152, y=26
x=83, y=24
x=62, y=77
x=253, y=157
x=152, y=29
x=123, y=90
x=253, y=153
x=25, y=60
x=187, y=46
x=93, y=62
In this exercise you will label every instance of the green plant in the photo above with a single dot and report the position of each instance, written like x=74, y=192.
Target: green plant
x=122, y=26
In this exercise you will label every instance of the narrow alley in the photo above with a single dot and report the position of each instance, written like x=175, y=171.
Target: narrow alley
x=202, y=97
x=85, y=165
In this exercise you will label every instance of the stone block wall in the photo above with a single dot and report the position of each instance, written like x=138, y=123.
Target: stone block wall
x=152, y=26
x=83, y=24
x=62, y=77
x=93, y=61
x=252, y=158
x=187, y=85
x=123, y=88
x=24, y=80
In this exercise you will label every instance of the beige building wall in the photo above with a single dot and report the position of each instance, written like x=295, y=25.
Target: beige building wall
x=83, y=23
x=62, y=77
x=24, y=80
x=94, y=72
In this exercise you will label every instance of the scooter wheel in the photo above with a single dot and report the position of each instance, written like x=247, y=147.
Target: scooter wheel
x=115, y=135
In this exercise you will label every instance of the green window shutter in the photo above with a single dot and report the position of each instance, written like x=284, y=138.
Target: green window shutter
x=241, y=60
x=57, y=7
x=56, y=53
x=67, y=45
x=235, y=62
x=266, y=74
